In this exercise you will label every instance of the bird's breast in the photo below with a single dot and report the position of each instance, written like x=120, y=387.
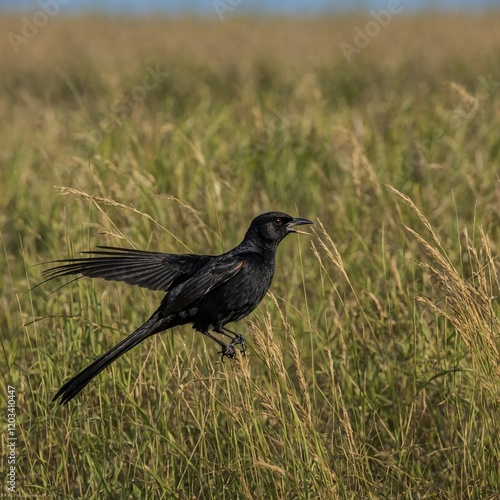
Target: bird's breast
x=236, y=298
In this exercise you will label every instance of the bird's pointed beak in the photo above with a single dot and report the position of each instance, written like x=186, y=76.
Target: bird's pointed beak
x=297, y=222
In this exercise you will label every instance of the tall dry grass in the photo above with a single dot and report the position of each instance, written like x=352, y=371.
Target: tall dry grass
x=373, y=363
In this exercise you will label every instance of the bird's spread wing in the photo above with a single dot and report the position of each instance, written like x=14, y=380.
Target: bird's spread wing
x=153, y=270
x=210, y=276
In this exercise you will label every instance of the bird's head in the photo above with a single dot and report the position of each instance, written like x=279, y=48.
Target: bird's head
x=272, y=227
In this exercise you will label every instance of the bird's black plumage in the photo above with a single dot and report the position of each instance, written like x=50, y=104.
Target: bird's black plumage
x=207, y=291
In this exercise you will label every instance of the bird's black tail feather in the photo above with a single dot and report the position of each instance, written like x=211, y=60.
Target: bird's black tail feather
x=73, y=386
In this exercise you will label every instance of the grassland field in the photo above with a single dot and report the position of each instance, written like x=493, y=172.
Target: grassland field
x=373, y=368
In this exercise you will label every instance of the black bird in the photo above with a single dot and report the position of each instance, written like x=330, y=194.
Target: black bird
x=208, y=291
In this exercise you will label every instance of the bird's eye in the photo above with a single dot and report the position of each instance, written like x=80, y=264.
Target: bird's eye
x=278, y=221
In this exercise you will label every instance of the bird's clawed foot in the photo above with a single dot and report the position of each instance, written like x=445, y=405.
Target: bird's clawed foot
x=236, y=339
x=228, y=351
x=239, y=340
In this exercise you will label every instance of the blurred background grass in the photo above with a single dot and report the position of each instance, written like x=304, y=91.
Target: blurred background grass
x=373, y=368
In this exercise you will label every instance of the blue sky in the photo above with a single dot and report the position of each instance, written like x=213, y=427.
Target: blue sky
x=206, y=7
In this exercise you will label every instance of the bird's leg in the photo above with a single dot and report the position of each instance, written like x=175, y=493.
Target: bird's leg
x=237, y=340
x=222, y=332
x=228, y=350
